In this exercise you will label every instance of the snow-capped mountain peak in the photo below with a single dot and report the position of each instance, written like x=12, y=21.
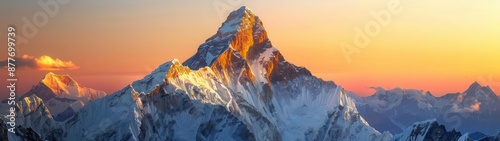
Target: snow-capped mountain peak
x=60, y=84
x=475, y=85
x=33, y=113
x=153, y=81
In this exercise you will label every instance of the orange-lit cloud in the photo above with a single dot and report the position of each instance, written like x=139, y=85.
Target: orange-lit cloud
x=42, y=63
x=47, y=63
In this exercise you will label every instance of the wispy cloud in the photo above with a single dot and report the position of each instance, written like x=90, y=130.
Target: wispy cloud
x=457, y=108
x=475, y=106
x=41, y=63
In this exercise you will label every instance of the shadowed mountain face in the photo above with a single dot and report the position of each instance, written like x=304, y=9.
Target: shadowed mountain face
x=475, y=110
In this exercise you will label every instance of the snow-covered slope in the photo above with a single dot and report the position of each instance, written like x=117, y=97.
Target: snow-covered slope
x=33, y=119
x=475, y=110
x=236, y=87
x=160, y=113
x=429, y=130
x=495, y=137
x=394, y=110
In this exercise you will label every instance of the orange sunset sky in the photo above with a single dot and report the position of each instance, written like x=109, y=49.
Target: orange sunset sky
x=437, y=46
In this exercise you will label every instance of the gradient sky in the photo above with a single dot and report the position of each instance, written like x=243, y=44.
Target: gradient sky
x=437, y=46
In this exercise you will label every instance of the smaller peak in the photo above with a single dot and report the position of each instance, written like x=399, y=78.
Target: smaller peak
x=426, y=121
x=428, y=93
x=167, y=65
x=49, y=75
x=345, y=100
x=175, y=61
x=244, y=9
x=53, y=75
x=237, y=19
x=474, y=87
x=52, y=79
x=32, y=99
x=152, y=81
x=476, y=84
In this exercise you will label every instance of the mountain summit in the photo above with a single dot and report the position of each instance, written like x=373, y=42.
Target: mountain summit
x=477, y=90
x=242, y=42
x=242, y=35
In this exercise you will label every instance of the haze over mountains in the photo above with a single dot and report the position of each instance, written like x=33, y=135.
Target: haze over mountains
x=237, y=86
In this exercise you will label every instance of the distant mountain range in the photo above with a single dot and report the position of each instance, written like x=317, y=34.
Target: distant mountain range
x=477, y=109
x=237, y=86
